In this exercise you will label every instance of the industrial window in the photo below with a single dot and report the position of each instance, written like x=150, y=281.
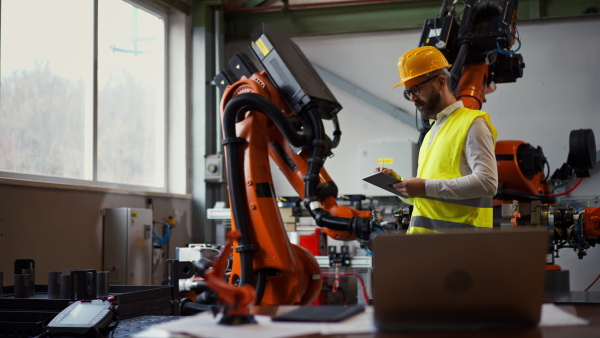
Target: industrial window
x=83, y=93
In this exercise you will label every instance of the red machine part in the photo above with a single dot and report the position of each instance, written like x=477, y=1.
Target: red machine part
x=238, y=300
x=315, y=243
x=591, y=222
x=511, y=176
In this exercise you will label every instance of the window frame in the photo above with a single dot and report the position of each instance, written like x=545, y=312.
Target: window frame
x=172, y=133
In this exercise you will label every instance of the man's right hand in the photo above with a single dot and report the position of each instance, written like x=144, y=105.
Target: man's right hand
x=411, y=187
x=388, y=172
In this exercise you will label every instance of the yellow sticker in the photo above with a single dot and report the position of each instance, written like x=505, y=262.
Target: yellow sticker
x=385, y=161
x=134, y=214
x=141, y=243
x=263, y=48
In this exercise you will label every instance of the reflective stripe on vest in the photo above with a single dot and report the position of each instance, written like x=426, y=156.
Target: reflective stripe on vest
x=422, y=224
x=482, y=202
x=447, y=210
x=434, y=224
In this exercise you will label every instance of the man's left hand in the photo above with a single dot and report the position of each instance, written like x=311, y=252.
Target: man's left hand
x=411, y=187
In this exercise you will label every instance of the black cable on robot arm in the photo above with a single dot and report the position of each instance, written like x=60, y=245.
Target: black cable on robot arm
x=261, y=281
x=337, y=133
x=317, y=158
x=443, y=9
x=459, y=61
x=242, y=103
x=357, y=225
x=233, y=111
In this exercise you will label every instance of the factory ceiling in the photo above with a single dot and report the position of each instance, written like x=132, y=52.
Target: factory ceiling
x=326, y=17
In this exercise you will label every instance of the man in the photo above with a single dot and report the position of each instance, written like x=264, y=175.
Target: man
x=457, y=173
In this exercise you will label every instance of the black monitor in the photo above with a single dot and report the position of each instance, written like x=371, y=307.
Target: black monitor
x=292, y=73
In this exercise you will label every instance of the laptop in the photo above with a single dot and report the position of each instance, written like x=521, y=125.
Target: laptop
x=485, y=279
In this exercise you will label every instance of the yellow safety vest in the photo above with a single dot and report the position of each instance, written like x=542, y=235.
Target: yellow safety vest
x=441, y=160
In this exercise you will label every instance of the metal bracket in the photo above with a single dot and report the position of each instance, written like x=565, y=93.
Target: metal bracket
x=83, y=284
x=339, y=259
x=175, y=271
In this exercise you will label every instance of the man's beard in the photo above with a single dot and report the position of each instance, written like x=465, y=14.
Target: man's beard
x=429, y=110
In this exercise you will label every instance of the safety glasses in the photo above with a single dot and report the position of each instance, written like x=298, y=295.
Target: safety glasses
x=416, y=90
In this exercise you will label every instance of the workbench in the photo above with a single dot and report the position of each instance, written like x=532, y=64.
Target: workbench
x=589, y=312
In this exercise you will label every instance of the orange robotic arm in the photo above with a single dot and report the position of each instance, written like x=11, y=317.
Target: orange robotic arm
x=238, y=300
x=256, y=125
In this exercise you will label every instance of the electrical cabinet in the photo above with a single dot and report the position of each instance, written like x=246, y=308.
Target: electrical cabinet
x=127, y=245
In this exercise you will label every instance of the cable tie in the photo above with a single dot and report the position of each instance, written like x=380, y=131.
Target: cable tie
x=233, y=140
x=247, y=247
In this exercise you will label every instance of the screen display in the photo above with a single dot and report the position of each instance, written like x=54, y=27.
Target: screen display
x=83, y=313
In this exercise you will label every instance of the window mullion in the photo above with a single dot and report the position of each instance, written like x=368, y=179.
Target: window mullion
x=94, y=133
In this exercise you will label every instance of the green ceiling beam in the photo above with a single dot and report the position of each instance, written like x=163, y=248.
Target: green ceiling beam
x=534, y=9
x=203, y=12
x=253, y=3
x=379, y=16
x=557, y=9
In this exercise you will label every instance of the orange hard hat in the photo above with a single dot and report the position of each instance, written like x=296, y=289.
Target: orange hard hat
x=420, y=61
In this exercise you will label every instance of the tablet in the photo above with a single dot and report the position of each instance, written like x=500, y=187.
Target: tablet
x=384, y=181
x=323, y=313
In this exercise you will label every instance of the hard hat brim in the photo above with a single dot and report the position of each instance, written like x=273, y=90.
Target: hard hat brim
x=399, y=84
x=412, y=77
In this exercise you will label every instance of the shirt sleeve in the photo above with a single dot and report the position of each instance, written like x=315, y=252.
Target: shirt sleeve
x=480, y=174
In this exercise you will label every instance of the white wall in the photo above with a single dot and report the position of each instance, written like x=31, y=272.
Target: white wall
x=558, y=93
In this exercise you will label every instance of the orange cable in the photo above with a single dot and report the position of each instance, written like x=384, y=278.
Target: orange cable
x=360, y=280
x=595, y=280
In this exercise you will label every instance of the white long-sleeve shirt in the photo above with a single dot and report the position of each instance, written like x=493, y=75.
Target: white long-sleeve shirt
x=477, y=164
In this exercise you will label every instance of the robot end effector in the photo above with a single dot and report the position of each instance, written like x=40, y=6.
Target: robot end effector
x=357, y=225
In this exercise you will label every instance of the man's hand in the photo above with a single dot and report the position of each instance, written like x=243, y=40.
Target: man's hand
x=389, y=172
x=411, y=187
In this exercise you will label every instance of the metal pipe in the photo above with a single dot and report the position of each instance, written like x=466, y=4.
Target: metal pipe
x=304, y=6
x=102, y=284
x=54, y=284
x=219, y=47
x=31, y=273
x=21, y=285
x=65, y=287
